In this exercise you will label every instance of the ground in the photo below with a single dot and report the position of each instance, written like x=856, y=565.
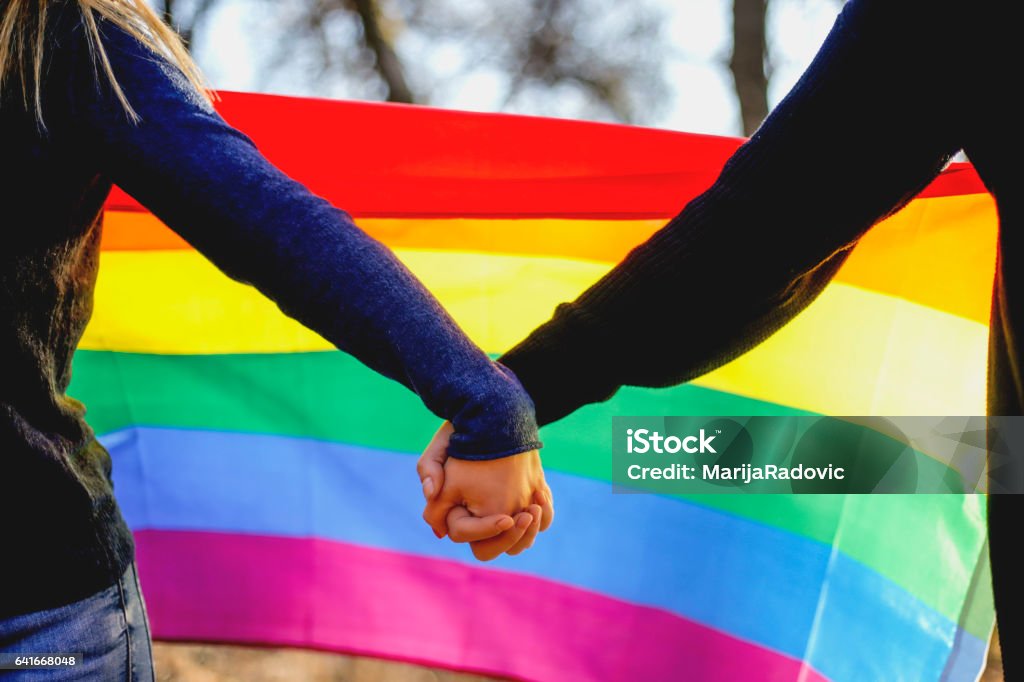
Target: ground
x=215, y=663
x=210, y=663
x=994, y=671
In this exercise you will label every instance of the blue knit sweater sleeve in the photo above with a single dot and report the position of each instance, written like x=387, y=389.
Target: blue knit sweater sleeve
x=210, y=184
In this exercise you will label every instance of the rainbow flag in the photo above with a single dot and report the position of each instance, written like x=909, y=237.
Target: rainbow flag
x=270, y=480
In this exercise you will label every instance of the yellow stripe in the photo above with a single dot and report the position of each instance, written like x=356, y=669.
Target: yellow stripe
x=177, y=302
x=858, y=352
x=852, y=352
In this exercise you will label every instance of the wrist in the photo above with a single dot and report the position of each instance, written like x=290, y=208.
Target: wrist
x=499, y=421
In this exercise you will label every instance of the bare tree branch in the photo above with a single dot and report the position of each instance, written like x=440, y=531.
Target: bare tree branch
x=166, y=8
x=589, y=58
x=198, y=15
x=748, y=61
x=387, y=63
x=186, y=29
x=553, y=51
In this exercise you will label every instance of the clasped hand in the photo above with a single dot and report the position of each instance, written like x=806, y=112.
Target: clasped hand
x=497, y=506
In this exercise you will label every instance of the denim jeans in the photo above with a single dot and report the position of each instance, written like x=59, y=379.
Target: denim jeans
x=109, y=629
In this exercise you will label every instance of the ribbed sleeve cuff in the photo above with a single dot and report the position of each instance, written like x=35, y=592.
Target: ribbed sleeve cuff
x=498, y=423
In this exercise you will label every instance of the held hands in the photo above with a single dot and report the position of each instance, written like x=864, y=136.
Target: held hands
x=496, y=505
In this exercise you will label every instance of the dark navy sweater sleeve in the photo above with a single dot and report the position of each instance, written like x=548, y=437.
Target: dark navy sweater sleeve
x=209, y=182
x=868, y=125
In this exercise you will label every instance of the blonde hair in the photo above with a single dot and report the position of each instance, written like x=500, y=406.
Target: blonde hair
x=23, y=36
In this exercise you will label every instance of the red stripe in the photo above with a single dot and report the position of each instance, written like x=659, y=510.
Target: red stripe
x=328, y=595
x=392, y=160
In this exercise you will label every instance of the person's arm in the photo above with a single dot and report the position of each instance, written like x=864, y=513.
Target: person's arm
x=866, y=128
x=210, y=184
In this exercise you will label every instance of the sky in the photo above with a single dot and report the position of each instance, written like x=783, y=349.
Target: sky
x=698, y=32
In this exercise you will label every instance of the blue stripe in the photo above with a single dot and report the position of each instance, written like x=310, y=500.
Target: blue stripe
x=751, y=580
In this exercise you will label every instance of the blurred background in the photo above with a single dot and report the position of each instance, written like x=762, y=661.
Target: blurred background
x=712, y=66
x=707, y=66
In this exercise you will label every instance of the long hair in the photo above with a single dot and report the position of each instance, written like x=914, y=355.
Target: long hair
x=23, y=37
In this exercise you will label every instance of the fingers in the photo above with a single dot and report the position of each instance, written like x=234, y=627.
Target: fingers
x=464, y=527
x=430, y=468
x=430, y=465
x=436, y=514
x=531, y=532
x=485, y=550
x=431, y=474
x=546, y=500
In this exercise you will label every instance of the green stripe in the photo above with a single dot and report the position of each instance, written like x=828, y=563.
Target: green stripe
x=330, y=396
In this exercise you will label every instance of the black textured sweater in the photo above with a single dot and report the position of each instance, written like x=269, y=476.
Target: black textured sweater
x=896, y=89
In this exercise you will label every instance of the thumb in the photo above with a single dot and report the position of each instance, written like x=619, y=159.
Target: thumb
x=436, y=513
x=430, y=465
x=464, y=527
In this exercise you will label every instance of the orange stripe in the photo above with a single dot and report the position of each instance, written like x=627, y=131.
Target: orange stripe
x=138, y=231
x=599, y=240
x=938, y=252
